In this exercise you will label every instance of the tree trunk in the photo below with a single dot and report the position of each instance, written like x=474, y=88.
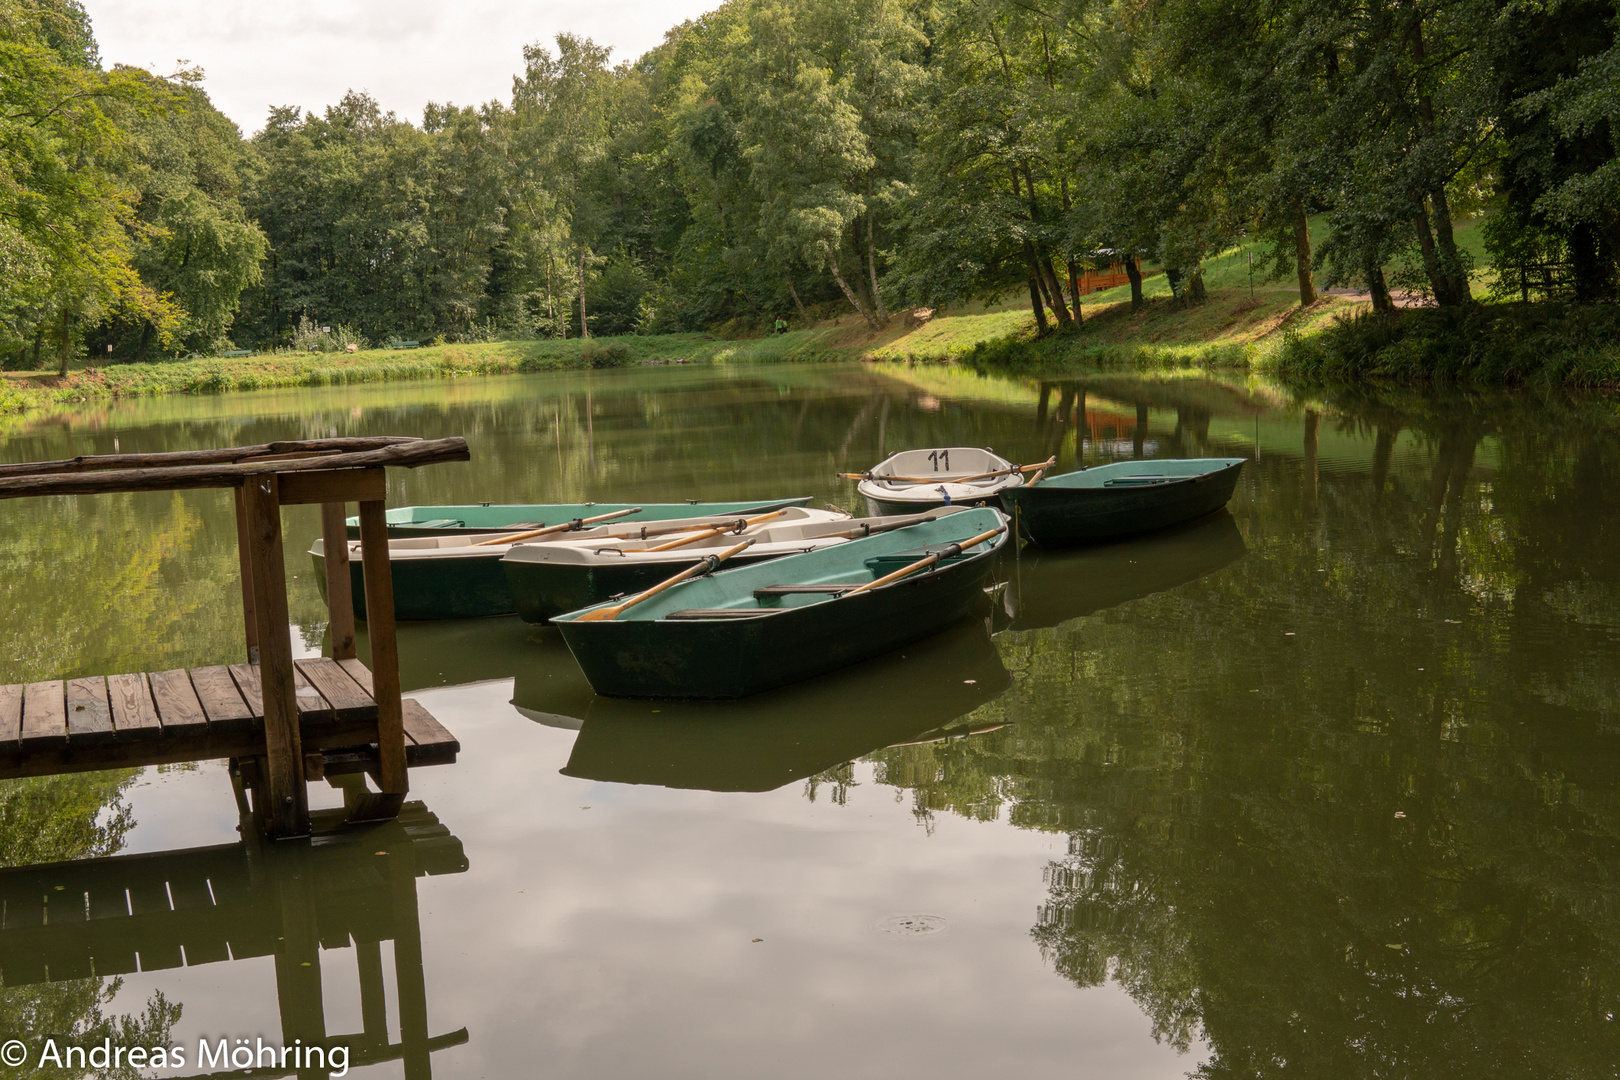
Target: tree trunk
x=1035, y=305
x=1431, y=260
x=1450, y=259
x=1196, y=293
x=1040, y=271
x=1133, y=270
x=849, y=294
x=39, y=337
x=1586, y=265
x=65, y=335
x=871, y=264
x=1059, y=308
x=1445, y=269
x=1378, y=288
x=584, y=327
x=1302, y=257
x=1074, y=289
x=551, y=299
x=803, y=314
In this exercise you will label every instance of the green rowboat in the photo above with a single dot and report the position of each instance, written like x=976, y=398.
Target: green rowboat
x=548, y=579
x=419, y=521
x=460, y=577
x=752, y=629
x=1127, y=498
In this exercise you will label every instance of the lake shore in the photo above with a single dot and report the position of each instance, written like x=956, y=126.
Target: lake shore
x=1336, y=339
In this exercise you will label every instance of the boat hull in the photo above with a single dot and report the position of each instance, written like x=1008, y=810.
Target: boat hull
x=732, y=658
x=1068, y=516
x=464, y=587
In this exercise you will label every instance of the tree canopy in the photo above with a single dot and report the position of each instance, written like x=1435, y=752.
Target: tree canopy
x=778, y=157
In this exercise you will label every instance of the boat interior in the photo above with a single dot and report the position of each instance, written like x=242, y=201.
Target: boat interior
x=1147, y=473
x=794, y=581
x=769, y=536
x=491, y=544
x=946, y=465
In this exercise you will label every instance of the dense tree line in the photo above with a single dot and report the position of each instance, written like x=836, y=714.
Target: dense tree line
x=788, y=157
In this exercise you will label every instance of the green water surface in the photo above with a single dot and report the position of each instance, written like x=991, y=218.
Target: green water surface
x=1324, y=786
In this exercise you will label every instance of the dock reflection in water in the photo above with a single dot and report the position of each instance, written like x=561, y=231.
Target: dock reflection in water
x=1046, y=587
x=763, y=742
x=292, y=899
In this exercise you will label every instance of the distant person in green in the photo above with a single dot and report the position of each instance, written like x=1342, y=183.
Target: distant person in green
x=781, y=325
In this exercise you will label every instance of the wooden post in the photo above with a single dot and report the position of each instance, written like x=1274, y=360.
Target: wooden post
x=339, y=587
x=288, y=811
x=379, y=581
x=248, y=617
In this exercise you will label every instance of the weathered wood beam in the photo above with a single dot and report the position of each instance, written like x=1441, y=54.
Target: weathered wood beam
x=379, y=580
x=409, y=455
x=339, y=585
x=249, y=619
x=288, y=811
x=224, y=455
x=343, y=486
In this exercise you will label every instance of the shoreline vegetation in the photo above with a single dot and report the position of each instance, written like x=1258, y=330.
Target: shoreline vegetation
x=1337, y=339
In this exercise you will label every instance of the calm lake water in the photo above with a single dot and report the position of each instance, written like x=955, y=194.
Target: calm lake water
x=1325, y=786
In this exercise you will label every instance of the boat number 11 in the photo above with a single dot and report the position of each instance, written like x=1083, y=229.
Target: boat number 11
x=941, y=459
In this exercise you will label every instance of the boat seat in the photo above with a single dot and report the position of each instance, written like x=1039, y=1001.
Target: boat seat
x=787, y=590
x=717, y=613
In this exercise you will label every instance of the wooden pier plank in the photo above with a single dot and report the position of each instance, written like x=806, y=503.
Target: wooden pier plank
x=246, y=677
x=434, y=745
x=221, y=700
x=44, y=715
x=347, y=700
x=89, y=712
x=11, y=700
x=133, y=714
x=177, y=704
x=312, y=707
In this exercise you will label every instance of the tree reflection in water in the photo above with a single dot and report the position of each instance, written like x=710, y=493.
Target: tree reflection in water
x=1346, y=806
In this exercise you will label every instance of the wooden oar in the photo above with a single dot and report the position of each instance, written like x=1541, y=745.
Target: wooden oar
x=567, y=526
x=724, y=527
x=645, y=533
x=1047, y=464
x=949, y=551
x=709, y=563
x=873, y=530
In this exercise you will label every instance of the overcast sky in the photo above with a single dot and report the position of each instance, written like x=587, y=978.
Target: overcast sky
x=404, y=52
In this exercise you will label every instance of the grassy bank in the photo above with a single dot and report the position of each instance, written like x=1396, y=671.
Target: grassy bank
x=20, y=391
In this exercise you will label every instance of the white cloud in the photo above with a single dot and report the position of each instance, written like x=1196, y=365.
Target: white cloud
x=406, y=53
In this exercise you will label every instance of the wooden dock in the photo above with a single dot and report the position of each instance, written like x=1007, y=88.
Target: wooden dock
x=105, y=722
x=281, y=723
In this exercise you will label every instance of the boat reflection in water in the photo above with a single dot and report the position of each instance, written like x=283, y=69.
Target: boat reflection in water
x=289, y=899
x=1047, y=587
x=759, y=743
